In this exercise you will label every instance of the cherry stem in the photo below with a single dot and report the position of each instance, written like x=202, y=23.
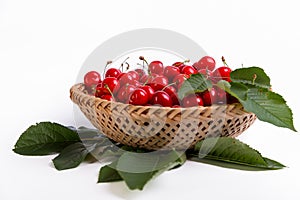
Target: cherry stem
x=112, y=95
x=186, y=61
x=223, y=60
x=145, y=61
x=122, y=64
x=168, y=85
x=254, y=78
x=105, y=68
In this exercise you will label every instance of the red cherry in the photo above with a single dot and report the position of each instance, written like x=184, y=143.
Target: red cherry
x=107, y=97
x=188, y=70
x=206, y=62
x=124, y=93
x=92, y=78
x=135, y=75
x=125, y=78
x=100, y=90
x=210, y=97
x=192, y=100
x=141, y=72
x=149, y=90
x=171, y=91
x=162, y=98
x=179, y=79
x=180, y=65
x=222, y=73
x=138, y=97
x=112, y=72
x=176, y=106
x=171, y=71
x=222, y=96
x=159, y=82
x=156, y=67
x=112, y=83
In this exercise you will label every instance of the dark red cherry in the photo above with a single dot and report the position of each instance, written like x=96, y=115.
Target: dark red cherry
x=156, y=67
x=159, y=82
x=210, y=97
x=171, y=91
x=111, y=83
x=222, y=73
x=125, y=78
x=171, y=71
x=112, y=72
x=206, y=62
x=192, y=100
x=92, y=78
x=125, y=92
x=162, y=98
x=149, y=90
x=188, y=70
x=135, y=75
x=179, y=79
x=138, y=97
x=107, y=97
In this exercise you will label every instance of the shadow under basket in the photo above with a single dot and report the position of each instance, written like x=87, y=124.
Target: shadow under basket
x=154, y=127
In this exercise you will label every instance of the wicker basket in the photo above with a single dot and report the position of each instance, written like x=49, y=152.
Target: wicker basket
x=154, y=128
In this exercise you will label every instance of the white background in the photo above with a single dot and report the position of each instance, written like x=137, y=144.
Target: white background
x=44, y=43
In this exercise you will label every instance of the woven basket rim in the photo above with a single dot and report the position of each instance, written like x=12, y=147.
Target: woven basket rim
x=79, y=87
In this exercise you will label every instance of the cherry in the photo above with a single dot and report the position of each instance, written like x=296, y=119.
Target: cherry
x=188, y=70
x=179, y=79
x=171, y=71
x=138, y=97
x=112, y=72
x=162, y=98
x=206, y=62
x=156, y=67
x=111, y=83
x=159, y=82
x=149, y=90
x=92, y=78
x=210, y=97
x=222, y=73
x=176, y=106
x=222, y=96
x=171, y=91
x=135, y=75
x=192, y=100
x=124, y=93
x=100, y=90
x=141, y=72
x=107, y=97
x=180, y=65
x=125, y=78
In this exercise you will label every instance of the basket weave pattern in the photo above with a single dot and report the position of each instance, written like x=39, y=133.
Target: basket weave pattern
x=153, y=127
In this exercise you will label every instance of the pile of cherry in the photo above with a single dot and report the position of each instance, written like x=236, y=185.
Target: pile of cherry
x=158, y=85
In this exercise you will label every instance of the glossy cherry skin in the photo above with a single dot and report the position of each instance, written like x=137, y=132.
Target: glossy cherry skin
x=192, y=100
x=206, y=62
x=126, y=78
x=149, y=90
x=222, y=73
x=135, y=75
x=112, y=72
x=159, y=82
x=156, y=67
x=171, y=71
x=179, y=79
x=92, y=78
x=188, y=70
x=210, y=97
x=171, y=91
x=180, y=65
x=100, y=90
x=162, y=98
x=141, y=72
x=107, y=97
x=222, y=96
x=125, y=92
x=138, y=97
x=112, y=83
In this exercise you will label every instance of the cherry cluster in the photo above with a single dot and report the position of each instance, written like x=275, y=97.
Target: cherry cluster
x=158, y=85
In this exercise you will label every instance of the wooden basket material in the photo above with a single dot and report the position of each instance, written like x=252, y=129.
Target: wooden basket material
x=153, y=127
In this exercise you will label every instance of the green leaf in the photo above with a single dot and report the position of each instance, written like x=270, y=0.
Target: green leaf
x=269, y=107
x=45, y=138
x=251, y=75
x=137, y=169
x=196, y=83
x=109, y=173
x=71, y=156
x=231, y=153
x=238, y=90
